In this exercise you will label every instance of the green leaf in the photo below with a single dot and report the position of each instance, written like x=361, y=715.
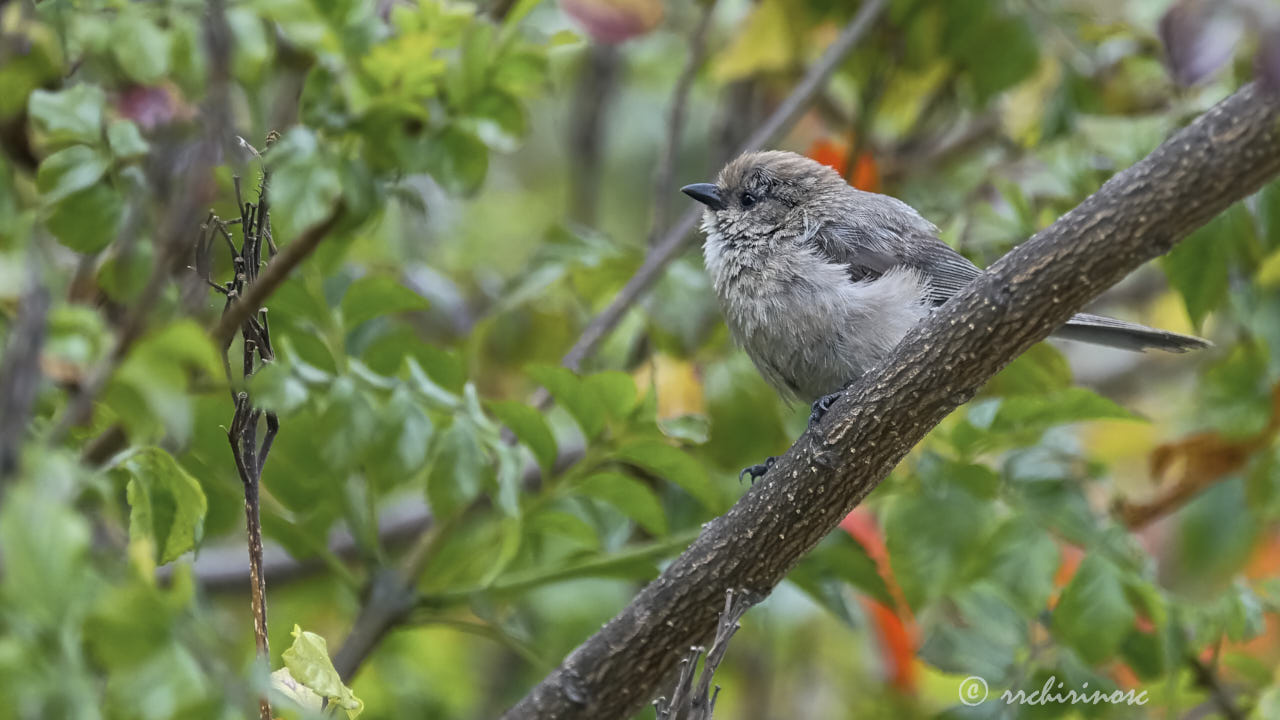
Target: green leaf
x=743, y=409
x=1216, y=534
x=499, y=120
x=1028, y=416
x=518, y=11
x=82, y=212
x=141, y=47
x=1235, y=392
x=69, y=171
x=46, y=545
x=69, y=116
x=1042, y=368
x=689, y=428
x=131, y=622
x=587, y=408
x=941, y=473
x=184, y=345
x=252, y=48
x=1197, y=267
x=167, y=505
x=840, y=557
x=276, y=387
x=151, y=390
x=1022, y=559
x=458, y=470
x=932, y=536
x=1144, y=653
x=615, y=389
x=980, y=635
x=458, y=160
x=125, y=140
x=89, y=220
x=506, y=490
x=123, y=276
x=565, y=525
x=990, y=66
x=402, y=441
x=307, y=661
x=530, y=427
x=630, y=496
x=375, y=295
x=1057, y=504
x=284, y=686
x=674, y=465
x=1094, y=615
x=1269, y=215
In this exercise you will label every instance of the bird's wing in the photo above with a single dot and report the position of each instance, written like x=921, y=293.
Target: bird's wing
x=947, y=271
x=869, y=255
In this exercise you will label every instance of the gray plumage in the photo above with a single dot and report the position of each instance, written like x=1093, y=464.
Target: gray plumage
x=818, y=281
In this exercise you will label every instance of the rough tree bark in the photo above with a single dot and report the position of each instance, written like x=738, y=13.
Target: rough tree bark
x=1225, y=155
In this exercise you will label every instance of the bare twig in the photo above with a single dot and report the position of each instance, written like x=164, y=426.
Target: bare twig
x=242, y=434
x=273, y=275
x=675, y=239
x=20, y=374
x=1194, y=464
x=597, y=86
x=663, y=188
x=1207, y=677
x=388, y=600
x=686, y=703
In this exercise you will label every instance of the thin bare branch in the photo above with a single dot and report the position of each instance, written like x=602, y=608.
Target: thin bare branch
x=675, y=239
x=20, y=374
x=663, y=185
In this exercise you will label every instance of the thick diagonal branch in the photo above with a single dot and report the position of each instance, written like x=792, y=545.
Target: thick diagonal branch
x=1139, y=214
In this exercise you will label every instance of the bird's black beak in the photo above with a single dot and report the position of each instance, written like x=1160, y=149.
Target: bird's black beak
x=705, y=193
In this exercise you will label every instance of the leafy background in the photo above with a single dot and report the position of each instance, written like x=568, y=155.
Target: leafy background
x=1093, y=515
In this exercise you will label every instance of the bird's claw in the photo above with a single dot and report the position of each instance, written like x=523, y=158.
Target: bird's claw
x=757, y=471
x=822, y=405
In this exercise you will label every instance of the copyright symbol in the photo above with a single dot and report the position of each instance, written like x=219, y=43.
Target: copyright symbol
x=973, y=690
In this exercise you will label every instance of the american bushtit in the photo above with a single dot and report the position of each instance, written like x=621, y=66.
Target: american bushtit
x=818, y=280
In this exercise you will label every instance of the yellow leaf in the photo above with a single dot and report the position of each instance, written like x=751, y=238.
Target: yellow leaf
x=1023, y=109
x=677, y=383
x=1269, y=273
x=766, y=42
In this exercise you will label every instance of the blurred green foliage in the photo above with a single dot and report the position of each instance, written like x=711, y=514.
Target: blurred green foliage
x=410, y=344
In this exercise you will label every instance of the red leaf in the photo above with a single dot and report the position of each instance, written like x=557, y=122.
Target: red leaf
x=614, y=21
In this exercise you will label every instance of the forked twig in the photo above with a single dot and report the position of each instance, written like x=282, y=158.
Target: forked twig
x=688, y=702
x=250, y=456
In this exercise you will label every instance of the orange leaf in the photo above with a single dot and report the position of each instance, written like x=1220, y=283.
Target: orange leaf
x=834, y=154
x=895, y=627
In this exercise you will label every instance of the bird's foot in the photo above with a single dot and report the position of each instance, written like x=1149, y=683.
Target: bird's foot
x=757, y=471
x=822, y=405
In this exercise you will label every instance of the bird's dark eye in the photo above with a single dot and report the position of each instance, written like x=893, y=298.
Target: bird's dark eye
x=748, y=199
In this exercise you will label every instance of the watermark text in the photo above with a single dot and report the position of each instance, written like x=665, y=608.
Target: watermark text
x=974, y=691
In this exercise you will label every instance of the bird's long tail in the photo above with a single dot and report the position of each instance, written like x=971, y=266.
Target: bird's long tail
x=1101, y=330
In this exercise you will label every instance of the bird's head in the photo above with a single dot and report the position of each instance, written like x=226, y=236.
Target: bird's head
x=760, y=193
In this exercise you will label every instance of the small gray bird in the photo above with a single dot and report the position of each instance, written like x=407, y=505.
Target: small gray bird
x=818, y=281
